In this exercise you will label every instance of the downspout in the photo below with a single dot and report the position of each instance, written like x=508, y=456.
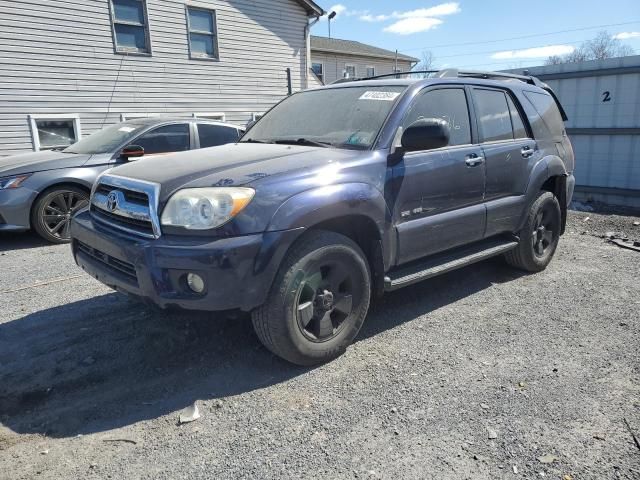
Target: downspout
x=307, y=40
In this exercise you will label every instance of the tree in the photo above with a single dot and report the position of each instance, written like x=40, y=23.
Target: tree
x=427, y=62
x=601, y=47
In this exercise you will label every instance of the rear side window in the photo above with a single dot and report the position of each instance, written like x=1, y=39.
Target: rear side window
x=546, y=107
x=170, y=138
x=214, y=135
x=449, y=104
x=494, y=117
x=519, y=130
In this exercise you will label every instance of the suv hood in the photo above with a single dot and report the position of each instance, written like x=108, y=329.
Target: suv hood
x=38, y=161
x=228, y=165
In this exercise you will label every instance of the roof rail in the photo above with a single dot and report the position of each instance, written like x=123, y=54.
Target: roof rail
x=453, y=73
x=387, y=75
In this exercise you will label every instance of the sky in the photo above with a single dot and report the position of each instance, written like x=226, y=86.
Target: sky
x=482, y=34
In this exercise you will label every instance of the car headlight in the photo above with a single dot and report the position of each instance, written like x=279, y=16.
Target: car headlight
x=13, y=182
x=205, y=208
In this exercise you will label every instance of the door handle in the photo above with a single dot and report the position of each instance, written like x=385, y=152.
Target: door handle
x=474, y=160
x=527, y=152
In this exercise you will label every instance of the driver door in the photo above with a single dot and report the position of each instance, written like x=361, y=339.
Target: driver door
x=439, y=203
x=165, y=139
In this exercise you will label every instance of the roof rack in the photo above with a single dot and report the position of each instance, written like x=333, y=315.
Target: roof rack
x=453, y=73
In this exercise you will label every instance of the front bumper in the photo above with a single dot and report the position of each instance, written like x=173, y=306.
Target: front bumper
x=238, y=271
x=15, y=209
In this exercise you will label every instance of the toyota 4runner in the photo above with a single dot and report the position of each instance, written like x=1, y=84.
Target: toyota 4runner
x=337, y=195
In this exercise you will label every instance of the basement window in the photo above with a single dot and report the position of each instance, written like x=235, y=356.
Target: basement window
x=130, y=26
x=50, y=132
x=203, y=41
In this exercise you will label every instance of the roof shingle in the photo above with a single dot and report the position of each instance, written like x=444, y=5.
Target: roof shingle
x=351, y=47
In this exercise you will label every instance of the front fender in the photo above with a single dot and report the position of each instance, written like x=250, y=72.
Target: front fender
x=312, y=207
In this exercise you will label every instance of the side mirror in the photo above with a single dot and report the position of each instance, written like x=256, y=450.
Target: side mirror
x=426, y=134
x=132, y=151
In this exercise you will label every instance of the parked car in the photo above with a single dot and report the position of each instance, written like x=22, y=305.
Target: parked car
x=336, y=195
x=42, y=190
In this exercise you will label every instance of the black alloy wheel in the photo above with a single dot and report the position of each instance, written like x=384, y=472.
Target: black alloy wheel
x=53, y=212
x=539, y=236
x=318, y=301
x=325, y=300
x=545, y=229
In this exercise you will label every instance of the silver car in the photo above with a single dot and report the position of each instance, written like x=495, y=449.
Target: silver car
x=42, y=190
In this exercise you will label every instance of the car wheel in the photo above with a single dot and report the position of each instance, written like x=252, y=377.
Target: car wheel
x=318, y=301
x=52, y=212
x=540, y=235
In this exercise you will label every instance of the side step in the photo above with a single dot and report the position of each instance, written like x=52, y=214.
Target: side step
x=447, y=261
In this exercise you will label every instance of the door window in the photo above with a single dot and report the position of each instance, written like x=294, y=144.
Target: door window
x=170, y=138
x=449, y=104
x=519, y=130
x=493, y=115
x=214, y=135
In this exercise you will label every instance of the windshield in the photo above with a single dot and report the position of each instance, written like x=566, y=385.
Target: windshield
x=348, y=117
x=106, y=140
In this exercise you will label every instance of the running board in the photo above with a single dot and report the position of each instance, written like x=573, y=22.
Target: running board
x=447, y=261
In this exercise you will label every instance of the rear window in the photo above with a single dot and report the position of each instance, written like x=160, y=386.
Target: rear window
x=550, y=120
x=493, y=115
x=214, y=135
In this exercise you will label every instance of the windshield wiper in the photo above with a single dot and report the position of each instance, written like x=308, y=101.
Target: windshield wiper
x=303, y=141
x=251, y=140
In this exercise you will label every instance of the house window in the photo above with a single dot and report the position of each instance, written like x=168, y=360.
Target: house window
x=130, y=26
x=211, y=116
x=203, y=41
x=371, y=72
x=350, y=71
x=318, y=69
x=132, y=116
x=54, y=131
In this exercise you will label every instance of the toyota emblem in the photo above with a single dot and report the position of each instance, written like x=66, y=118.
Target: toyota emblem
x=112, y=201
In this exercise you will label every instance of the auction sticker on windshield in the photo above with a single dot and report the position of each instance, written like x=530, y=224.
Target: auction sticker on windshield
x=381, y=96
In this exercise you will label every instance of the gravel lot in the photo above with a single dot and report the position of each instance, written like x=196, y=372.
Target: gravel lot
x=482, y=373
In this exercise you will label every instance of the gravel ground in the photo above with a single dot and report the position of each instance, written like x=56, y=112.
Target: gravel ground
x=482, y=373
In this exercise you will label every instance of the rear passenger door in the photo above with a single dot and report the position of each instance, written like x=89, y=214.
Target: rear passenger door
x=439, y=204
x=508, y=150
x=212, y=135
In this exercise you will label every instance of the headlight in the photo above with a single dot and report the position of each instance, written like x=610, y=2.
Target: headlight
x=13, y=182
x=205, y=208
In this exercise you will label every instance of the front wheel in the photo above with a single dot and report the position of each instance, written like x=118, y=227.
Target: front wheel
x=539, y=236
x=52, y=212
x=318, y=301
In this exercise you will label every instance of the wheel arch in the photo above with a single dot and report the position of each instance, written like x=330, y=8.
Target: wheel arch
x=549, y=174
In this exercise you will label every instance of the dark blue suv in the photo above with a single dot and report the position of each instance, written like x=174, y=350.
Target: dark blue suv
x=335, y=196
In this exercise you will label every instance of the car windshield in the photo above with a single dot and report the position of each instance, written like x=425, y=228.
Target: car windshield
x=106, y=140
x=346, y=117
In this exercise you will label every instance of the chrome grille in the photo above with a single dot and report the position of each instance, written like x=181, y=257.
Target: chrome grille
x=127, y=205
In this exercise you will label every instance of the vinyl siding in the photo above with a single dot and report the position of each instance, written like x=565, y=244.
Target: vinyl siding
x=57, y=57
x=335, y=64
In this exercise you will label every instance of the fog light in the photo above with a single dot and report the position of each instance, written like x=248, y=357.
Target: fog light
x=195, y=282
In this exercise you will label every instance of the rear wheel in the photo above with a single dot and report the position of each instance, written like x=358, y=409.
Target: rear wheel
x=318, y=301
x=52, y=212
x=540, y=235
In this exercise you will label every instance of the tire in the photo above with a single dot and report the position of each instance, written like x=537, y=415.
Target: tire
x=318, y=301
x=540, y=235
x=52, y=212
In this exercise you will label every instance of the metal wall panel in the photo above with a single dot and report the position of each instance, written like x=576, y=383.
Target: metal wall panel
x=602, y=101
